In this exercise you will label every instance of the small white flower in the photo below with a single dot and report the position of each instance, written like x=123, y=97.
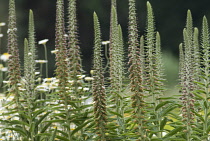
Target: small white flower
x=36, y=73
x=80, y=76
x=2, y=24
x=5, y=57
x=1, y=35
x=54, y=51
x=22, y=89
x=71, y=81
x=42, y=42
x=88, y=78
x=105, y=42
x=86, y=89
x=6, y=82
x=67, y=59
x=79, y=88
x=49, y=79
x=41, y=61
x=4, y=69
x=66, y=35
x=29, y=53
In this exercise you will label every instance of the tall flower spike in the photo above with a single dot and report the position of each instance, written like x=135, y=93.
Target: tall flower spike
x=196, y=58
x=98, y=84
x=135, y=74
x=114, y=53
x=60, y=44
x=121, y=57
x=142, y=62
x=189, y=47
x=187, y=95
x=75, y=67
x=205, y=74
x=181, y=66
x=14, y=61
x=159, y=65
x=113, y=4
x=62, y=63
x=116, y=68
x=150, y=51
x=26, y=58
x=31, y=56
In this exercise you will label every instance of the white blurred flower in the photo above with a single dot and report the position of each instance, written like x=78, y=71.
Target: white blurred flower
x=54, y=51
x=42, y=88
x=79, y=88
x=1, y=35
x=36, y=73
x=41, y=61
x=80, y=76
x=71, y=81
x=105, y=42
x=5, y=57
x=2, y=24
x=42, y=42
x=49, y=79
x=86, y=89
x=6, y=82
x=22, y=89
x=4, y=69
x=88, y=78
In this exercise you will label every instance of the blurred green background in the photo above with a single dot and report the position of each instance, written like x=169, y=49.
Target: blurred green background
x=170, y=18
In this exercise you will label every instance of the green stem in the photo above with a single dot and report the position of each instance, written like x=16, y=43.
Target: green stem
x=41, y=66
x=45, y=51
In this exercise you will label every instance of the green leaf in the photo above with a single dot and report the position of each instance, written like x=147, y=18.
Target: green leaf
x=32, y=127
x=45, y=127
x=166, y=110
x=208, y=129
x=164, y=98
x=52, y=138
x=41, y=119
x=198, y=115
x=80, y=127
x=62, y=138
x=114, y=113
x=43, y=134
x=161, y=105
x=37, y=112
x=18, y=130
x=56, y=120
x=205, y=104
x=173, y=132
x=63, y=133
x=163, y=123
x=156, y=139
x=19, y=122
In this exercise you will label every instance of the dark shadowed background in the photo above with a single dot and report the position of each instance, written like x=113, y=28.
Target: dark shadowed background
x=170, y=16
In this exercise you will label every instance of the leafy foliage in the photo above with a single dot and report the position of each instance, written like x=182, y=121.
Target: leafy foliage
x=106, y=106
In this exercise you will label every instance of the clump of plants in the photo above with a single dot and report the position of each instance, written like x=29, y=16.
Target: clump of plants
x=129, y=104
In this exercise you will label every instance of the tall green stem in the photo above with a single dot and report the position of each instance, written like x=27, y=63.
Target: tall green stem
x=45, y=51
